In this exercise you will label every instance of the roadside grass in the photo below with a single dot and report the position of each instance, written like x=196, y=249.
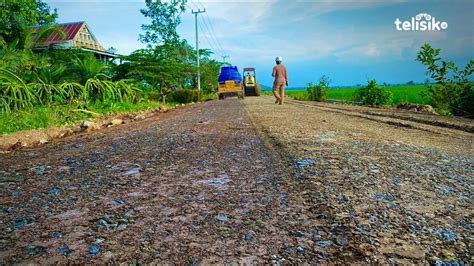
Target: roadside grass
x=57, y=115
x=209, y=97
x=401, y=94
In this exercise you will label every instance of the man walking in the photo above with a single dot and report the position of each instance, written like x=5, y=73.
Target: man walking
x=281, y=79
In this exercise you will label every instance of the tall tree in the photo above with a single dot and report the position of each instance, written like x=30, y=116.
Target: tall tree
x=16, y=16
x=162, y=67
x=165, y=17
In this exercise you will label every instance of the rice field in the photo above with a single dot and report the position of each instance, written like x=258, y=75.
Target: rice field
x=401, y=94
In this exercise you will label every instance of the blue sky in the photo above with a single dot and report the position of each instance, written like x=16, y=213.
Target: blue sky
x=349, y=41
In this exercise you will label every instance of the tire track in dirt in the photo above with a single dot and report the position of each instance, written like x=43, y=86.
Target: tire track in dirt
x=438, y=127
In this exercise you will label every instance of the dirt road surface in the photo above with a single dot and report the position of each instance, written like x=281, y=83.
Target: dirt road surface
x=246, y=182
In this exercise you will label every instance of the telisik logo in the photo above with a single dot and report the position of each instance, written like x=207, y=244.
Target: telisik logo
x=421, y=22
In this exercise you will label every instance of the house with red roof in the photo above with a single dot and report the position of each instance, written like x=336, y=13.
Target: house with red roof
x=76, y=35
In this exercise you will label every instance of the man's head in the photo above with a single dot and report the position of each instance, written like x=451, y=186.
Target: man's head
x=278, y=60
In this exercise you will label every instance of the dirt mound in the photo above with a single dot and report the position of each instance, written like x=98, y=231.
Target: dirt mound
x=36, y=137
x=417, y=108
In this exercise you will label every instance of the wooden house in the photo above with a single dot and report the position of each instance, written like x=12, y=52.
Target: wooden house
x=76, y=35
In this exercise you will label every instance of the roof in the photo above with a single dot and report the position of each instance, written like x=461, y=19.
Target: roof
x=70, y=29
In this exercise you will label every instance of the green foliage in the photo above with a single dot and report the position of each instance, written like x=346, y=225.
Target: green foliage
x=184, y=96
x=75, y=92
x=154, y=96
x=318, y=92
x=401, y=94
x=168, y=61
x=452, y=92
x=16, y=94
x=84, y=69
x=51, y=74
x=43, y=86
x=209, y=97
x=160, y=68
x=17, y=16
x=373, y=95
x=59, y=114
x=197, y=96
x=165, y=17
x=209, y=69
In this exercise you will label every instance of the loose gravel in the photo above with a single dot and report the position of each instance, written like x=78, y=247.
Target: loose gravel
x=241, y=182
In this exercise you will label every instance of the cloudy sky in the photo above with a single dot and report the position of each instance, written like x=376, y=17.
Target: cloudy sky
x=349, y=41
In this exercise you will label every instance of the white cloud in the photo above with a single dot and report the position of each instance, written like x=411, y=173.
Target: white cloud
x=372, y=50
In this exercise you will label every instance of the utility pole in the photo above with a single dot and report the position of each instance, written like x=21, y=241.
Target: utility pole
x=197, y=44
x=224, y=57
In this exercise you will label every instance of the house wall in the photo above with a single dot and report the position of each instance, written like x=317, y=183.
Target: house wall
x=63, y=45
x=85, y=39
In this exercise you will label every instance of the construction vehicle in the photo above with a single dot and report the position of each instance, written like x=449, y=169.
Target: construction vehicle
x=251, y=87
x=230, y=83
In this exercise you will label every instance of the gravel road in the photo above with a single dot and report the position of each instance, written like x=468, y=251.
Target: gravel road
x=248, y=181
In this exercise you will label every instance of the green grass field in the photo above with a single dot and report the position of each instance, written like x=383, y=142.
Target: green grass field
x=57, y=115
x=401, y=94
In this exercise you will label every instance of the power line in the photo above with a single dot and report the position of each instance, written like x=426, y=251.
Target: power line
x=214, y=32
x=212, y=27
x=215, y=48
x=211, y=39
x=211, y=30
x=206, y=37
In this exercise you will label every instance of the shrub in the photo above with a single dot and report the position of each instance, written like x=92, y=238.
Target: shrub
x=197, y=95
x=16, y=94
x=318, y=92
x=154, y=96
x=183, y=96
x=456, y=94
x=208, y=97
x=373, y=95
x=467, y=98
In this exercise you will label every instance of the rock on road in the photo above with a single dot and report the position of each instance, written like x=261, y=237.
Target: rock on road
x=244, y=182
